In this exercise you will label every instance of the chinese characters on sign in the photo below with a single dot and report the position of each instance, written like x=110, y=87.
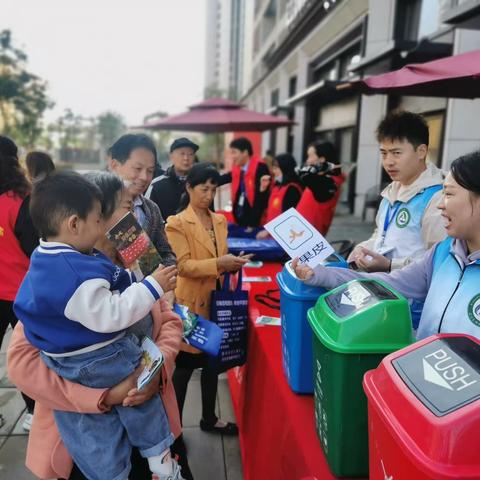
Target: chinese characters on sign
x=299, y=238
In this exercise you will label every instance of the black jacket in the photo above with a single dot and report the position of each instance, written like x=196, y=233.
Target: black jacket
x=166, y=191
x=251, y=214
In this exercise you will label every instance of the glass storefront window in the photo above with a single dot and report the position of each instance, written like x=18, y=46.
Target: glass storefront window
x=417, y=18
x=435, y=126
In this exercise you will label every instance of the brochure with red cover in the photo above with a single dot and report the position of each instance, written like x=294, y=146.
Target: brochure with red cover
x=133, y=244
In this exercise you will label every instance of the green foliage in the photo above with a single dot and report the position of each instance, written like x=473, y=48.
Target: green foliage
x=23, y=95
x=211, y=148
x=110, y=126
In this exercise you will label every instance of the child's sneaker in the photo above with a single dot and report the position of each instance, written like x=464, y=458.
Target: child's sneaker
x=27, y=423
x=175, y=475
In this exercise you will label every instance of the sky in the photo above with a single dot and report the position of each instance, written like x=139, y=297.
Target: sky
x=131, y=57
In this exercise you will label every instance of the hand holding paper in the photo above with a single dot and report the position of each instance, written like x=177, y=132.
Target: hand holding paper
x=302, y=271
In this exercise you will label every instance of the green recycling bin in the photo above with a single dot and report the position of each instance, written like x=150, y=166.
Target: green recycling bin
x=355, y=326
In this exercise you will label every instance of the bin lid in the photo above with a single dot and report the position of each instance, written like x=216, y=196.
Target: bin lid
x=425, y=397
x=290, y=284
x=362, y=316
x=444, y=374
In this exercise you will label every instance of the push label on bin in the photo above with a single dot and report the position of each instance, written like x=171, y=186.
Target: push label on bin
x=356, y=296
x=444, y=374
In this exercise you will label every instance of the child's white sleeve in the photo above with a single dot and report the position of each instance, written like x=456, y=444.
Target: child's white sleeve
x=99, y=309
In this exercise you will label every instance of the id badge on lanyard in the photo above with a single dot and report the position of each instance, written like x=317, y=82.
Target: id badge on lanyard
x=381, y=248
x=241, y=199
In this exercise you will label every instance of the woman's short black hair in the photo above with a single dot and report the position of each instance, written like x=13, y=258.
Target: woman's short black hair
x=111, y=186
x=287, y=164
x=126, y=144
x=38, y=164
x=327, y=150
x=12, y=176
x=200, y=173
x=243, y=144
x=57, y=197
x=466, y=171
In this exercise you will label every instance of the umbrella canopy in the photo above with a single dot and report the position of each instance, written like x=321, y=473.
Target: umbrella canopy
x=457, y=76
x=217, y=115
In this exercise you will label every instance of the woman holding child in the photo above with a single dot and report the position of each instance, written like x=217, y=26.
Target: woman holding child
x=46, y=455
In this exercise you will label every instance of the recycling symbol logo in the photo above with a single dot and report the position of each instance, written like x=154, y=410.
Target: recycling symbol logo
x=403, y=218
x=474, y=310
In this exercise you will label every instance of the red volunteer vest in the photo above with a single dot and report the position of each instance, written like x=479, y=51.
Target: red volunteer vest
x=249, y=179
x=320, y=215
x=13, y=261
x=276, y=199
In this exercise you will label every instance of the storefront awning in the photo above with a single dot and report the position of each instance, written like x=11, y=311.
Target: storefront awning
x=405, y=51
x=457, y=76
x=323, y=87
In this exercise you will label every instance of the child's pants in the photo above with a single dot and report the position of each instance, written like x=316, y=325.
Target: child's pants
x=100, y=444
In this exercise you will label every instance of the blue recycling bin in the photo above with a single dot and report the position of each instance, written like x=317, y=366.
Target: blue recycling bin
x=295, y=300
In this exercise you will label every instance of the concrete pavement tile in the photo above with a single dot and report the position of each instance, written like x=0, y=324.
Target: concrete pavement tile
x=205, y=454
x=225, y=401
x=192, y=411
x=12, y=460
x=3, y=370
x=12, y=407
x=18, y=430
x=6, y=340
x=233, y=458
x=231, y=445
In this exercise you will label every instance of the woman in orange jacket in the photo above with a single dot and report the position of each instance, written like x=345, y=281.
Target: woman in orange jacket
x=198, y=238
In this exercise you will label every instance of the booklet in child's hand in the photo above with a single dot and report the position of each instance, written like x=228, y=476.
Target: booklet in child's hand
x=153, y=358
x=133, y=244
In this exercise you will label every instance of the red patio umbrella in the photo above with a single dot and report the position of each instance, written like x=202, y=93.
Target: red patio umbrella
x=217, y=115
x=457, y=76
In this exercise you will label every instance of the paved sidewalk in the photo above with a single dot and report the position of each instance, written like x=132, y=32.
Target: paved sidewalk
x=347, y=227
x=211, y=457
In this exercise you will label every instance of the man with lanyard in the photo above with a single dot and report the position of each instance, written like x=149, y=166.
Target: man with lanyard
x=167, y=189
x=250, y=179
x=408, y=221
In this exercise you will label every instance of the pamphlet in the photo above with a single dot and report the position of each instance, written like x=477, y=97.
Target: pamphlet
x=254, y=264
x=153, y=358
x=198, y=331
x=265, y=278
x=266, y=320
x=133, y=244
x=189, y=319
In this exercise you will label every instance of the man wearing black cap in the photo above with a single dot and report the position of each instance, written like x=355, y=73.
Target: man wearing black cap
x=167, y=189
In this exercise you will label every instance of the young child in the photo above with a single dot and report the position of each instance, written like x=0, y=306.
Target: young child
x=75, y=305
x=408, y=222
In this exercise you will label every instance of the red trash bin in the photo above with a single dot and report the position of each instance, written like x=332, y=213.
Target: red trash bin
x=424, y=411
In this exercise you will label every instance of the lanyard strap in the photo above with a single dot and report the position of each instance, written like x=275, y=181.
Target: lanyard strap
x=390, y=215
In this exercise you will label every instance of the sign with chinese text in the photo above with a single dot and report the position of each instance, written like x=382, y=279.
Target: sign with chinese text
x=299, y=238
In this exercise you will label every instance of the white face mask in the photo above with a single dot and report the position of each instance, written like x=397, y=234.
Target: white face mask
x=279, y=178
